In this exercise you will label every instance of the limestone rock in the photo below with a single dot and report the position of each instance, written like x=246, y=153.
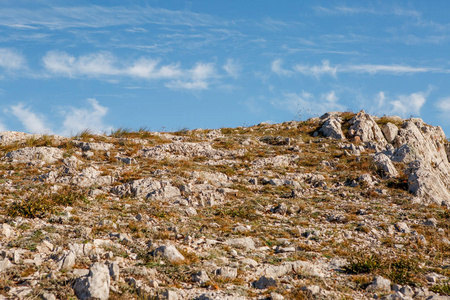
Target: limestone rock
x=9, y=137
x=384, y=164
x=390, y=131
x=85, y=146
x=169, y=252
x=5, y=264
x=365, y=127
x=201, y=277
x=379, y=284
x=227, y=272
x=246, y=243
x=67, y=261
x=307, y=268
x=95, y=285
x=331, y=127
x=422, y=147
x=36, y=155
x=426, y=184
x=6, y=230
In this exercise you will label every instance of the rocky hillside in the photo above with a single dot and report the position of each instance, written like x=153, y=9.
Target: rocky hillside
x=345, y=206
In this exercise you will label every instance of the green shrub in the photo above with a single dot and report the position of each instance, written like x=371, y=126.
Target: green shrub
x=443, y=288
x=401, y=270
x=43, y=203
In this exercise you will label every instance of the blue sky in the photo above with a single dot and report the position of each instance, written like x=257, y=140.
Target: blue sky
x=167, y=65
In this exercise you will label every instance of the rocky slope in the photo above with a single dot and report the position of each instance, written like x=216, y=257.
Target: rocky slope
x=345, y=206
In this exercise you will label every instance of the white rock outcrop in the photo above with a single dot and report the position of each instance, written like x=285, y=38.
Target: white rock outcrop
x=331, y=127
x=365, y=127
x=36, y=155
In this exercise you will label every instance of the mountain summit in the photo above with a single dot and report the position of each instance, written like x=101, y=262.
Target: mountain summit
x=343, y=206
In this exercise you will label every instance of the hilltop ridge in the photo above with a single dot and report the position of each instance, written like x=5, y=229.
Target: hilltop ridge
x=342, y=206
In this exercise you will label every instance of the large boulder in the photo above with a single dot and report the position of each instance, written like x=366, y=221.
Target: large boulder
x=423, y=148
x=385, y=165
x=365, y=127
x=390, y=131
x=331, y=127
x=426, y=184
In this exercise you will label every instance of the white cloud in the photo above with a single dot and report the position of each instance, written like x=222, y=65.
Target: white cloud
x=406, y=105
x=317, y=70
x=402, y=105
x=95, y=64
x=32, y=122
x=2, y=127
x=278, y=69
x=148, y=69
x=331, y=97
x=232, y=68
x=11, y=59
x=104, y=65
x=444, y=110
x=59, y=62
x=79, y=119
x=306, y=104
x=444, y=105
x=197, y=78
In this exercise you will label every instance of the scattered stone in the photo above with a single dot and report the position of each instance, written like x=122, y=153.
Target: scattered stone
x=169, y=252
x=67, y=261
x=5, y=264
x=379, y=284
x=48, y=296
x=95, y=285
x=246, y=243
x=201, y=277
x=402, y=227
x=227, y=272
x=264, y=283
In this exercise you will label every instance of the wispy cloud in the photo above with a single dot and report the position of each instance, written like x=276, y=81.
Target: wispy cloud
x=357, y=10
x=11, y=59
x=33, y=123
x=317, y=70
x=232, y=67
x=91, y=16
x=387, y=69
x=79, y=119
x=305, y=104
x=327, y=69
x=278, y=69
x=276, y=25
